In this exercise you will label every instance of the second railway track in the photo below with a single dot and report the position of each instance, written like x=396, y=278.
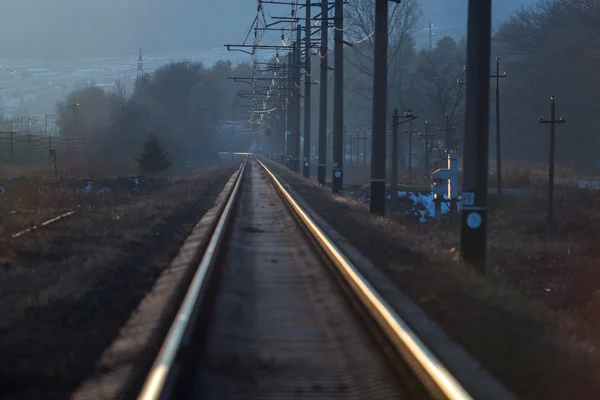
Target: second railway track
x=275, y=312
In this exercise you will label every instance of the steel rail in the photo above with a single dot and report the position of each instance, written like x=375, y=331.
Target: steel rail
x=428, y=368
x=156, y=384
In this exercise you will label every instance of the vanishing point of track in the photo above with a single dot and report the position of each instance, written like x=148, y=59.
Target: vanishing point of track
x=275, y=311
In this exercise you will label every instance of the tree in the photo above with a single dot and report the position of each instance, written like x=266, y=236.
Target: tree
x=154, y=158
x=84, y=111
x=550, y=48
x=404, y=22
x=439, y=73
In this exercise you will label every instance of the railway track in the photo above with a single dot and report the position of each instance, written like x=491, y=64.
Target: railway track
x=275, y=311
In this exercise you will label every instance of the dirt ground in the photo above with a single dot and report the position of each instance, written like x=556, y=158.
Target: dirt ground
x=67, y=288
x=531, y=321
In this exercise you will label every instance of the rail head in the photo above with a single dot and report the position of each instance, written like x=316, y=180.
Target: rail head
x=157, y=384
x=433, y=374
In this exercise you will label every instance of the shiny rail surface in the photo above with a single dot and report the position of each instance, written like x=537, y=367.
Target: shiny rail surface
x=164, y=371
x=422, y=361
x=281, y=326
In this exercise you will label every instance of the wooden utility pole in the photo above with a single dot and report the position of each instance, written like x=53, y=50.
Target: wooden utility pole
x=394, y=177
x=410, y=150
x=498, y=147
x=426, y=135
x=552, y=123
x=365, y=146
x=448, y=139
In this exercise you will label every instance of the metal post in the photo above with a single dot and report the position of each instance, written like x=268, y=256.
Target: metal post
x=378, y=137
x=475, y=164
x=394, y=177
x=289, y=112
x=338, y=100
x=322, y=167
x=307, y=83
x=297, y=66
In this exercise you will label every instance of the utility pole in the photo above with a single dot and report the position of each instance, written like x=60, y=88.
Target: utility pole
x=410, y=150
x=448, y=140
x=297, y=104
x=430, y=36
x=394, y=177
x=46, y=125
x=408, y=116
x=322, y=167
x=289, y=112
x=552, y=122
x=75, y=105
x=140, y=68
x=475, y=162
x=12, y=148
x=365, y=146
x=358, y=146
x=351, y=142
x=307, y=83
x=338, y=99
x=426, y=136
x=498, y=148
x=378, y=137
x=297, y=98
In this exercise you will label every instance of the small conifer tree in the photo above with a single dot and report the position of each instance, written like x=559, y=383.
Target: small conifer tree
x=154, y=157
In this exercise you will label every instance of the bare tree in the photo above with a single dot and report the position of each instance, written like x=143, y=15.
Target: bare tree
x=441, y=72
x=404, y=22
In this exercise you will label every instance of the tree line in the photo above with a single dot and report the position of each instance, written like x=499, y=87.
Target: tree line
x=178, y=104
x=551, y=47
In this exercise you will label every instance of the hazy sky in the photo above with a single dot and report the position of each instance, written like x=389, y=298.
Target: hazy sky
x=43, y=28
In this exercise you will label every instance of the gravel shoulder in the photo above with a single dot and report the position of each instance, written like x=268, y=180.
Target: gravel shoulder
x=518, y=338
x=68, y=288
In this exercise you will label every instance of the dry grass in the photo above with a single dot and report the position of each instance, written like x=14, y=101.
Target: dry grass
x=530, y=175
x=67, y=289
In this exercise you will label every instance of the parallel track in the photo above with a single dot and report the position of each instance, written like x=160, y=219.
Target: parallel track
x=276, y=311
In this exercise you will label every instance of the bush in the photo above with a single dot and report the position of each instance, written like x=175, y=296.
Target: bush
x=154, y=157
